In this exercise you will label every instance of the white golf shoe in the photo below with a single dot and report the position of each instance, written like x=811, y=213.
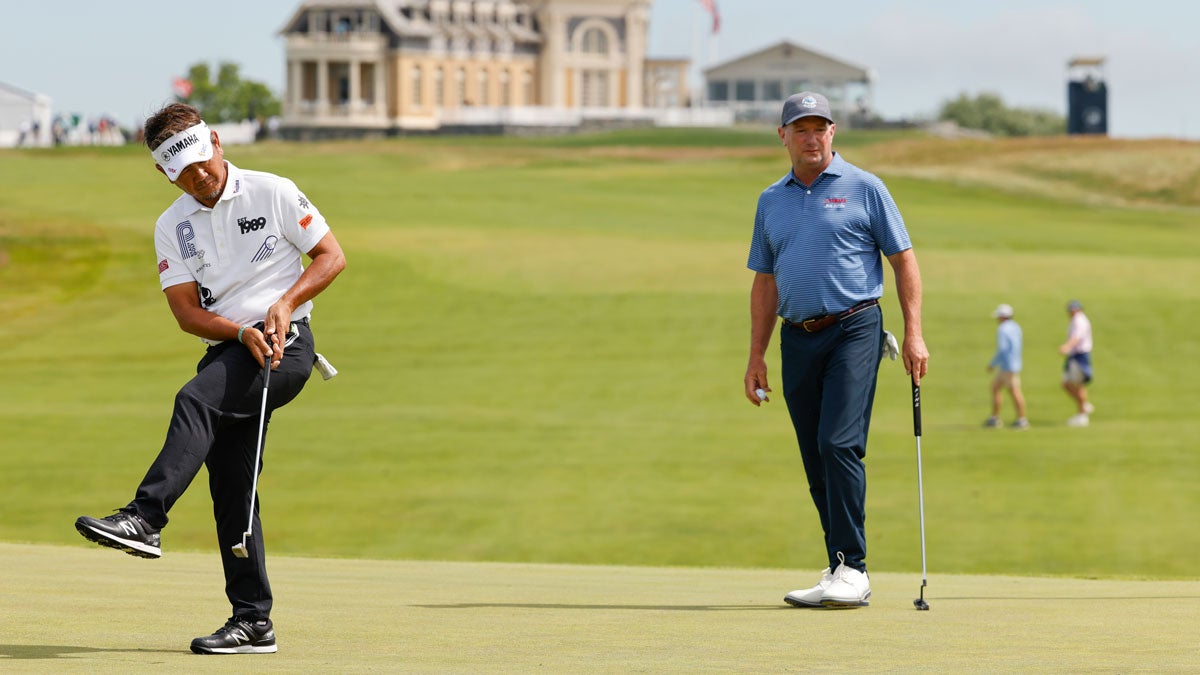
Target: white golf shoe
x=849, y=588
x=812, y=596
x=1080, y=420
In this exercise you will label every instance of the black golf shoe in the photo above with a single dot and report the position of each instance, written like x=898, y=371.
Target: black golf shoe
x=123, y=530
x=239, y=636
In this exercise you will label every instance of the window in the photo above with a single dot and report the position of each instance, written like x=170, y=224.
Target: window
x=439, y=87
x=483, y=87
x=594, y=41
x=744, y=90
x=797, y=86
x=527, y=88
x=772, y=90
x=416, y=85
x=595, y=88
x=505, y=90
x=718, y=91
x=460, y=86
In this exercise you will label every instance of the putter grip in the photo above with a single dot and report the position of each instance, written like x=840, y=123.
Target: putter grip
x=916, y=391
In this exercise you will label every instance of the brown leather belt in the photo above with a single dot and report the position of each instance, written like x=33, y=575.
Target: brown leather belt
x=820, y=323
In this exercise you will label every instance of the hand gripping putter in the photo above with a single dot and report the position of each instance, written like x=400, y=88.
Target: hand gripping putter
x=919, y=603
x=240, y=550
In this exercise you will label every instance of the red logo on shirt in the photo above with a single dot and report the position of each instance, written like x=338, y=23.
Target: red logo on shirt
x=306, y=221
x=162, y=266
x=835, y=203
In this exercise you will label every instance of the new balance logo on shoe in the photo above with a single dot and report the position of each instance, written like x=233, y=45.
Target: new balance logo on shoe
x=239, y=636
x=124, y=530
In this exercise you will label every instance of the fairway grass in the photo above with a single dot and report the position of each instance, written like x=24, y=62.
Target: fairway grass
x=83, y=609
x=542, y=342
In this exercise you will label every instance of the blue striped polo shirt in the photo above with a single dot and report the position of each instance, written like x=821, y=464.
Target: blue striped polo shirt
x=823, y=242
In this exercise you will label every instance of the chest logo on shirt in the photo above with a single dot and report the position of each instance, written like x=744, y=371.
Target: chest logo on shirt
x=835, y=202
x=185, y=234
x=267, y=248
x=249, y=225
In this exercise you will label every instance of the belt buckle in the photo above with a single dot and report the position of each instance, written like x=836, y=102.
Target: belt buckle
x=806, y=323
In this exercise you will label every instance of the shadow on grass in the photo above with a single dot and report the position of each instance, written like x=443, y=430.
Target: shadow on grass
x=658, y=608
x=35, y=652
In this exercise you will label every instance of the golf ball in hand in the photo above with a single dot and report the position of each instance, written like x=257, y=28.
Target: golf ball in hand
x=761, y=394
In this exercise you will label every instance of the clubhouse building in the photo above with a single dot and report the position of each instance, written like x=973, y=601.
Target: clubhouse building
x=374, y=67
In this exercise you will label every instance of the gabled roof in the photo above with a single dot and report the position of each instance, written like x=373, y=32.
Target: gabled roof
x=12, y=92
x=417, y=25
x=790, y=51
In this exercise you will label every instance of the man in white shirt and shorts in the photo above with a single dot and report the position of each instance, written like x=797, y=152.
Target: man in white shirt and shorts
x=1077, y=369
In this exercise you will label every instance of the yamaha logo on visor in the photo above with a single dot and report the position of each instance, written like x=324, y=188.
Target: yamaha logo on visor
x=183, y=149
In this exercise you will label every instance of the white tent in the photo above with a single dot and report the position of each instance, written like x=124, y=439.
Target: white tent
x=24, y=118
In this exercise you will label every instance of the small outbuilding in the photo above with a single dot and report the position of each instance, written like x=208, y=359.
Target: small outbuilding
x=756, y=84
x=24, y=118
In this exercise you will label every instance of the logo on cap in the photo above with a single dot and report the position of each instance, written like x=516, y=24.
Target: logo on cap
x=808, y=102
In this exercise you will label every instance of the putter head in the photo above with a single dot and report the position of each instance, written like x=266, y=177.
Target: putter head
x=921, y=605
x=240, y=550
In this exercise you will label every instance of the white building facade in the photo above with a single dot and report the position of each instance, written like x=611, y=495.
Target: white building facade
x=24, y=118
x=387, y=66
x=755, y=85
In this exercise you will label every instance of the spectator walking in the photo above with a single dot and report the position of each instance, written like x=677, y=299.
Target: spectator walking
x=1007, y=365
x=1077, y=369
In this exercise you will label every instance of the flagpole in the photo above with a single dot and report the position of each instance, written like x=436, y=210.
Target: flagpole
x=694, y=74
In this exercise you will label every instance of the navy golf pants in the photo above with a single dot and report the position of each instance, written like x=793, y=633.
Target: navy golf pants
x=215, y=424
x=829, y=385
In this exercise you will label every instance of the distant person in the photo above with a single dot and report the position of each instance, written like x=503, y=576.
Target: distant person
x=1077, y=369
x=1007, y=364
x=820, y=235
x=230, y=265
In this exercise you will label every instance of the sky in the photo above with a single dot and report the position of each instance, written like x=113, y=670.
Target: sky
x=118, y=58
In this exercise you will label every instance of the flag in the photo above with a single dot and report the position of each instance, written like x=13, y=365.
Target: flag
x=182, y=87
x=711, y=7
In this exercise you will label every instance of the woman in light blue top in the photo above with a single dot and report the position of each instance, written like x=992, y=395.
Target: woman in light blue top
x=1007, y=364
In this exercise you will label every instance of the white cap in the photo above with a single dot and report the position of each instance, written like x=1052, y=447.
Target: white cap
x=1003, y=311
x=185, y=148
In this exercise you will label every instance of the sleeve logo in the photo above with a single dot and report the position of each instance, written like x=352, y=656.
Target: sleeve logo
x=163, y=266
x=306, y=221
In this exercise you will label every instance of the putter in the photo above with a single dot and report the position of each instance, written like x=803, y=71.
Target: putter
x=240, y=550
x=919, y=603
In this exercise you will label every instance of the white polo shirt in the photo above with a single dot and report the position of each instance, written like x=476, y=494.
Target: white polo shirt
x=246, y=251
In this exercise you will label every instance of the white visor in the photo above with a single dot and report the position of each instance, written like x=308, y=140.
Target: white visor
x=186, y=147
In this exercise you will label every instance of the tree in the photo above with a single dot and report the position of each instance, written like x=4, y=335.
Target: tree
x=988, y=113
x=230, y=98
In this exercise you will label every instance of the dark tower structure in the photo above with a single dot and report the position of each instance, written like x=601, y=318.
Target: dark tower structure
x=1087, y=96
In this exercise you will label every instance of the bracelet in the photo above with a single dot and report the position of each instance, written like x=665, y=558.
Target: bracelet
x=242, y=330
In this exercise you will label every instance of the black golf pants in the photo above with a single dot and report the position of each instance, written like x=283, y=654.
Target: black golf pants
x=215, y=424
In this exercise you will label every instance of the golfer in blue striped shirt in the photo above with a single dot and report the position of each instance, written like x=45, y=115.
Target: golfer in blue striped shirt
x=820, y=235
